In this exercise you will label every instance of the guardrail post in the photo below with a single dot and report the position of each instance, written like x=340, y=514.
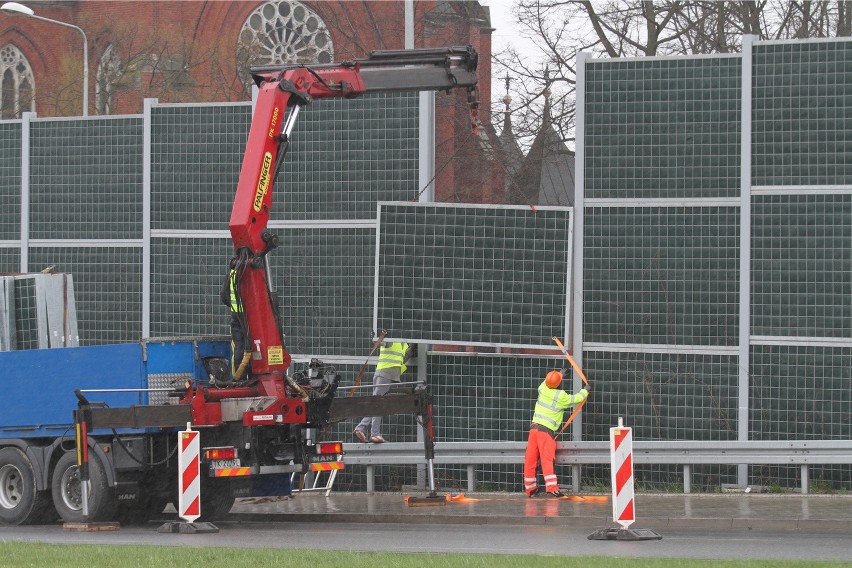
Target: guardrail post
x=471, y=478
x=805, y=480
x=371, y=485
x=687, y=478
x=575, y=478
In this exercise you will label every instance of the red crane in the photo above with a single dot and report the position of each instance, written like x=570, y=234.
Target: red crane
x=283, y=90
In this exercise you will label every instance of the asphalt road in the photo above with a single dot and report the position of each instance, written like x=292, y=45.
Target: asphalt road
x=498, y=539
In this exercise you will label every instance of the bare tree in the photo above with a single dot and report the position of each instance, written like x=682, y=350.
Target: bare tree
x=635, y=28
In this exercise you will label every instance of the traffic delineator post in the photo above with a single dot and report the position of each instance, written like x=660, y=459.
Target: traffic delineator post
x=189, y=486
x=623, y=497
x=189, y=481
x=621, y=452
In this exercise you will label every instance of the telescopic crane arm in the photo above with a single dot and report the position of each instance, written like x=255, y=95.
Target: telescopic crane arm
x=283, y=90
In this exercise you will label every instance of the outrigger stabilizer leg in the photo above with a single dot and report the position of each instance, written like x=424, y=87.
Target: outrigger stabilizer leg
x=429, y=445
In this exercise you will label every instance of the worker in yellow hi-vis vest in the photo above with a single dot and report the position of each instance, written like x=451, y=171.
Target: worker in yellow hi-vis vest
x=389, y=370
x=547, y=418
x=230, y=296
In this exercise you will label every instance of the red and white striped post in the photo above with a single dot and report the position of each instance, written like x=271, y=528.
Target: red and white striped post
x=621, y=455
x=189, y=475
x=623, y=504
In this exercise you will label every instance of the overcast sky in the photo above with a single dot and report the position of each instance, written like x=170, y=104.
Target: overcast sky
x=506, y=32
x=501, y=18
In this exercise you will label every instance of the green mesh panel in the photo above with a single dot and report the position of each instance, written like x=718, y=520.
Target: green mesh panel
x=196, y=154
x=473, y=274
x=186, y=277
x=663, y=128
x=802, y=265
x=10, y=259
x=347, y=155
x=10, y=181
x=325, y=280
x=662, y=396
x=661, y=275
x=800, y=393
x=486, y=398
x=86, y=179
x=802, y=114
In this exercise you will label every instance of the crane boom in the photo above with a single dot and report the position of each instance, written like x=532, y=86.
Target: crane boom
x=283, y=90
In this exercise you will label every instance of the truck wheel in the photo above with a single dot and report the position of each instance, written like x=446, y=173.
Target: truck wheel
x=217, y=498
x=68, y=494
x=20, y=503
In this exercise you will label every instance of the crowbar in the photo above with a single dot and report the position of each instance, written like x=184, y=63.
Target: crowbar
x=582, y=376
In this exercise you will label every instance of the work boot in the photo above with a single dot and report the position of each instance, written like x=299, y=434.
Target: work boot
x=556, y=494
x=362, y=437
x=377, y=439
x=534, y=493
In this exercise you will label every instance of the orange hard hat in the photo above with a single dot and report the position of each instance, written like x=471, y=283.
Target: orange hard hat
x=553, y=379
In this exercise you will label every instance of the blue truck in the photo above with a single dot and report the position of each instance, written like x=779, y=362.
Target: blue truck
x=132, y=396
x=90, y=433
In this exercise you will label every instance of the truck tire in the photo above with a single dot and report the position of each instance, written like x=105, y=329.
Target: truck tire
x=20, y=502
x=68, y=495
x=217, y=498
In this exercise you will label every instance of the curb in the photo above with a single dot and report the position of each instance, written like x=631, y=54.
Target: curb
x=816, y=526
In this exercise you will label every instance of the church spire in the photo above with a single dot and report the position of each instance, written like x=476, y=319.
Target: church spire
x=507, y=100
x=546, y=116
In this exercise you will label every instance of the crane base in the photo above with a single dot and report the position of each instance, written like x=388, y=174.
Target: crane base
x=187, y=528
x=625, y=534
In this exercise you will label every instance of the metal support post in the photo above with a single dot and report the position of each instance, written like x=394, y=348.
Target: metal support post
x=371, y=485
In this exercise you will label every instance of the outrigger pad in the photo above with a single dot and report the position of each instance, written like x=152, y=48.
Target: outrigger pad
x=188, y=528
x=431, y=499
x=625, y=534
x=91, y=527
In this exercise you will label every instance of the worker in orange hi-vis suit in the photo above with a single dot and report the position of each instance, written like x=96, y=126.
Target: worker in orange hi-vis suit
x=547, y=418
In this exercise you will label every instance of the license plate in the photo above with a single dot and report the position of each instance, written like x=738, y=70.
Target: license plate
x=225, y=464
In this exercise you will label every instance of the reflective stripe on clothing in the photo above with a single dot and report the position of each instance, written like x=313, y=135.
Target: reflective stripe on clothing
x=392, y=355
x=540, y=447
x=232, y=286
x=551, y=405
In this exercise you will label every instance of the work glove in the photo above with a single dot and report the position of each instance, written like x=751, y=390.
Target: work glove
x=588, y=388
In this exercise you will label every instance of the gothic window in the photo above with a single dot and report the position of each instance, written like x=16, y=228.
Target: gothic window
x=109, y=71
x=282, y=31
x=17, y=86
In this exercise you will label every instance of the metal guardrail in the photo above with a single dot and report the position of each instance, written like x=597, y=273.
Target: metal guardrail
x=684, y=453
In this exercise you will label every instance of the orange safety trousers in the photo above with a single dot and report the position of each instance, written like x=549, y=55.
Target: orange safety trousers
x=540, y=446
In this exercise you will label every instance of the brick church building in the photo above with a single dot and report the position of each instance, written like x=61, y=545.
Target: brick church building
x=200, y=51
